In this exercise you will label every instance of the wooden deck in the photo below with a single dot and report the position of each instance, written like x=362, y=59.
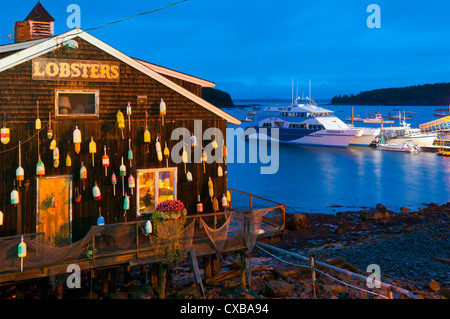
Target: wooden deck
x=101, y=249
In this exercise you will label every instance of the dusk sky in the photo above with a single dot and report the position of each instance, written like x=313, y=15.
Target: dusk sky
x=253, y=49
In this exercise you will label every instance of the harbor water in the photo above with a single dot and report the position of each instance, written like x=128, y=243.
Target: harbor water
x=314, y=179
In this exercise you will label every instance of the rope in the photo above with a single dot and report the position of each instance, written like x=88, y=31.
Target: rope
x=315, y=269
x=17, y=146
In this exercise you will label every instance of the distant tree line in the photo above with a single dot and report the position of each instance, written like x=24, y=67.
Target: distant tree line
x=217, y=97
x=428, y=94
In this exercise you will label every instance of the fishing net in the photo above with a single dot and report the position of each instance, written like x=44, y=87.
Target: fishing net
x=168, y=241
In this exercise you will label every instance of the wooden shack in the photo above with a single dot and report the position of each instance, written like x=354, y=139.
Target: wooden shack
x=75, y=81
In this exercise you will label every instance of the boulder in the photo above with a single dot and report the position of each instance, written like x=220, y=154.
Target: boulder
x=277, y=289
x=296, y=222
x=433, y=285
x=373, y=215
x=404, y=209
x=381, y=207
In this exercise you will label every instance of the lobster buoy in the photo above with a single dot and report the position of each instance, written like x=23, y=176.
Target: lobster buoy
x=193, y=141
x=52, y=144
x=38, y=124
x=129, y=114
x=215, y=204
x=219, y=171
x=126, y=203
x=68, y=161
x=120, y=122
x=22, y=249
x=114, y=182
x=83, y=172
x=20, y=174
x=40, y=167
x=5, y=135
x=158, y=149
x=204, y=159
x=123, y=172
x=224, y=202
x=77, y=139
x=100, y=221
x=184, y=157
x=105, y=161
x=56, y=157
x=54, y=202
x=166, y=154
x=148, y=227
x=130, y=153
x=14, y=197
x=131, y=183
x=189, y=176
x=228, y=196
x=214, y=144
x=147, y=136
x=210, y=188
x=162, y=110
x=96, y=192
x=199, y=205
x=49, y=133
x=224, y=152
x=1, y=218
x=92, y=149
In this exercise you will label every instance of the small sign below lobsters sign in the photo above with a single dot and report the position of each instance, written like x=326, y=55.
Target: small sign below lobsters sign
x=75, y=70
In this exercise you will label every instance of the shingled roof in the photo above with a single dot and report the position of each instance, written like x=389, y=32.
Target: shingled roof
x=39, y=14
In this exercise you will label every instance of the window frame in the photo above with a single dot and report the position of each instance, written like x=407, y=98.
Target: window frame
x=71, y=115
x=155, y=171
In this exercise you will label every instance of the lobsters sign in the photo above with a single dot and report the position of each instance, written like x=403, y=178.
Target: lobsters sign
x=75, y=70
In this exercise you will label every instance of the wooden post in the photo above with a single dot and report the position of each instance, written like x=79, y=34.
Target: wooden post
x=60, y=291
x=207, y=267
x=154, y=276
x=162, y=280
x=251, y=202
x=243, y=270
x=105, y=281
x=195, y=270
x=214, y=266
x=313, y=273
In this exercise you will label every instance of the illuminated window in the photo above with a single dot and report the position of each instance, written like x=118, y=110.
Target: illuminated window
x=155, y=186
x=76, y=103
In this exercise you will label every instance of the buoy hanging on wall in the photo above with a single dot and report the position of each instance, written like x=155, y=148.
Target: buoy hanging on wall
x=147, y=135
x=120, y=122
x=189, y=176
x=129, y=115
x=83, y=174
x=38, y=120
x=40, y=167
x=204, y=159
x=224, y=152
x=105, y=161
x=14, y=196
x=126, y=205
x=56, y=157
x=148, y=227
x=131, y=183
x=5, y=135
x=92, y=149
x=193, y=140
x=100, y=219
x=114, y=182
x=68, y=161
x=77, y=139
x=158, y=149
x=20, y=173
x=199, y=205
x=130, y=153
x=49, y=130
x=219, y=171
x=52, y=144
x=166, y=154
x=21, y=252
x=184, y=157
x=96, y=192
x=224, y=203
x=210, y=188
x=162, y=110
x=1, y=218
x=123, y=172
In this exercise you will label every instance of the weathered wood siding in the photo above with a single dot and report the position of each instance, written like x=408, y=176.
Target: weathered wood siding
x=18, y=96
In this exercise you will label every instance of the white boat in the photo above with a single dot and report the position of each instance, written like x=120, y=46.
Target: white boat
x=367, y=137
x=405, y=134
x=378, y=119
x=305, y=123
x=399, y=147
x=356, y=118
